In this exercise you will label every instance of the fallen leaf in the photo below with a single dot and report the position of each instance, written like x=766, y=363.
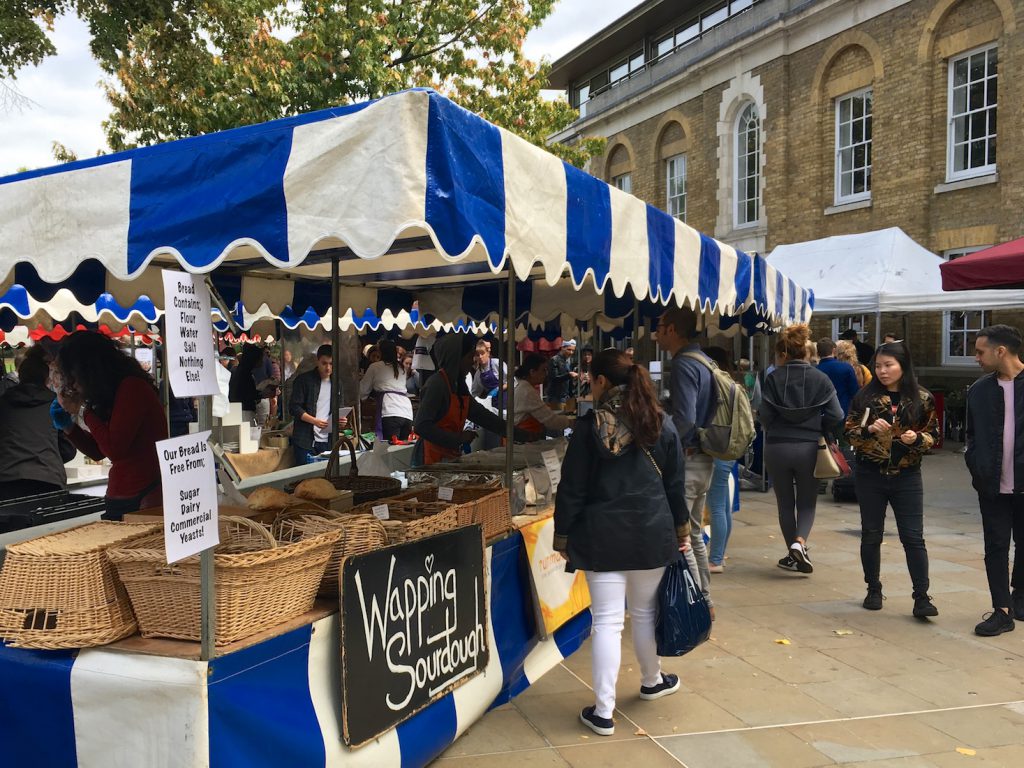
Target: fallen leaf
x=842, y=632
x=966, y=751
x=640, y=732
x=782, y=641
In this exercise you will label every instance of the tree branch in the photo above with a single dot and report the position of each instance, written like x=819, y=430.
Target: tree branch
x=405, y=58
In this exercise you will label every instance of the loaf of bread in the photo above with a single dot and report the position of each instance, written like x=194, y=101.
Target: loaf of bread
x=316, y=489
x=268, y=498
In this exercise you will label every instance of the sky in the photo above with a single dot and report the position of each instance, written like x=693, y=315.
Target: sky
x=61, y=100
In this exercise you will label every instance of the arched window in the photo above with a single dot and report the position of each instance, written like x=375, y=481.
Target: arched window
x=747, y=183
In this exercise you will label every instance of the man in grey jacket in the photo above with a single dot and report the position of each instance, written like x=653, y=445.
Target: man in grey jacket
x=694, y=398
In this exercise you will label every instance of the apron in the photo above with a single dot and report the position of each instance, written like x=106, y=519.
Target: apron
x=454, y=421
x=531, y=425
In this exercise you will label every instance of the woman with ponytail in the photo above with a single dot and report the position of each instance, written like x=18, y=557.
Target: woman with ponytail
x=798, y=406
x=621, y=517
x=386, y=379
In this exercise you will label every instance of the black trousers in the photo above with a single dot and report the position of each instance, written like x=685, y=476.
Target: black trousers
x=904, y=492
x=1002, y=518
x=395, y=426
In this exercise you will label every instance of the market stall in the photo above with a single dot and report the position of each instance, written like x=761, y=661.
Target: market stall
x=408, y=191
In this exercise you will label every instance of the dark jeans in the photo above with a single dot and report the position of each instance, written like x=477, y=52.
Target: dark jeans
x=302, y=456
x=395, y=426
x=1002, y=517
x=791, y=468
x=905, y=493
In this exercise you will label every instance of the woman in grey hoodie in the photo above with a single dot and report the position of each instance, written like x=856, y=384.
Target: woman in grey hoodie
x=799, y=405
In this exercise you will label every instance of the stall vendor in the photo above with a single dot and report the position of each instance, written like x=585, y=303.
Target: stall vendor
x=532, y=415
x=445, y=405
x=119, y=404
x=561, y=377
x=310, y=407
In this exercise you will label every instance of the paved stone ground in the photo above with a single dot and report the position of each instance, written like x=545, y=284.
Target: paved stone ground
x=851, y=687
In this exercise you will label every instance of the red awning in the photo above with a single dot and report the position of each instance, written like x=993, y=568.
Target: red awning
x=1001, y=266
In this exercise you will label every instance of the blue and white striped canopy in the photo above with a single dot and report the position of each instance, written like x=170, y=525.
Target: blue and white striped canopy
x=409, y=190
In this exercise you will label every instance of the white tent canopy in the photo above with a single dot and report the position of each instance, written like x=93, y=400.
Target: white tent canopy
x=882, y=271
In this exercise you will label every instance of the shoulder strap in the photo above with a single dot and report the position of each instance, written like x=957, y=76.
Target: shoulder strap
x=701, y=358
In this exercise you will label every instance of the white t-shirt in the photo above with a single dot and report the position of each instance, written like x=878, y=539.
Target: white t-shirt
x=323, y=411
x=1009, y=427
x=380, y=377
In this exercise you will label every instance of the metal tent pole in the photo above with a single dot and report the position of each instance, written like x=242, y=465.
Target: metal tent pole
x=501, y=342
x=510, y=351
x=336, y=352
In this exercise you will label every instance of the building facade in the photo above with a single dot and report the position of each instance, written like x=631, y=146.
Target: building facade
x=779, y=121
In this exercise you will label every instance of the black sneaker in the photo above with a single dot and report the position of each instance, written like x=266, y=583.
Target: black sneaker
x=788, y=563
x=924, y=607
x=669, y=684
x=873, y=601
x=995, y=623
x=1017, y=598
x=602, y=726
x=803, y=560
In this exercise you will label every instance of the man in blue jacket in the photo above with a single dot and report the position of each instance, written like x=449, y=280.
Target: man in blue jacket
x=840, y=373
x=694, y=398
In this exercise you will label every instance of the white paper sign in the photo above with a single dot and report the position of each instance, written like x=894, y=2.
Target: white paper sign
x=190, y=495
x=553, y=466
x=381, y=512
x=189, y=329
x=444, y=493
x=655, y=369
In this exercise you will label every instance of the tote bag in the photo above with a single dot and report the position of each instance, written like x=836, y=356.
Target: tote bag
x=684, y=619
x=830, y=462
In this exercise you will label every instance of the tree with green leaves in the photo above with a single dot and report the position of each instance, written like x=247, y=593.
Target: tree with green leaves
x=183, y=67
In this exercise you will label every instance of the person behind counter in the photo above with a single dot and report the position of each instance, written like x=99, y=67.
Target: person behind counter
x=561, y=376
x=310, y=407
x=242, y=388
x=118, y=402
x=387, y=378
x=32, y=452
x=445, y=405
x=531, y=413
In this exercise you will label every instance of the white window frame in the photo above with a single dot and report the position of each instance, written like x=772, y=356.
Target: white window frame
x=624, y=181
x=736, y=178
x=676, y=161
x=947, y=358
x=855, y=197
x=857, y=322
x=982, y=170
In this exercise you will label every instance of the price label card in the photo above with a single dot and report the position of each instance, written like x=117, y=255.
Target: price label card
x=381, y=512
x=445, y=493
x=553, y=466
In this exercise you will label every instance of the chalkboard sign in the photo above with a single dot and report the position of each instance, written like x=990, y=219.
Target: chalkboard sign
x=413, y=627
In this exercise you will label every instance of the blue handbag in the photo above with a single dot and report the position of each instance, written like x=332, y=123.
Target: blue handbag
x=684, y=619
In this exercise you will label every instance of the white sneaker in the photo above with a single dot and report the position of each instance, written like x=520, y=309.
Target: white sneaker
x=803, y=560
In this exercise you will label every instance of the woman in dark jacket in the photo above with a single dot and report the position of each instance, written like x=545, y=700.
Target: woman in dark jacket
x=891, y=425
x=32, y=452
x=621, y=516
x=798, y=406
x=242, y=387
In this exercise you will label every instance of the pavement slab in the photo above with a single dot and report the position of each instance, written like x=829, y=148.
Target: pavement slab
x=847, y=687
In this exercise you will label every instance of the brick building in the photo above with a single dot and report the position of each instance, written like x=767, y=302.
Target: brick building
x=778, y=121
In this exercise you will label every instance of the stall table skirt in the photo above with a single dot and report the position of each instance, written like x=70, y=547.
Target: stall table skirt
x=271, y=704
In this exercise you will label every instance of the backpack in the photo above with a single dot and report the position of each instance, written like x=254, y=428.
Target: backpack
x=731, y=429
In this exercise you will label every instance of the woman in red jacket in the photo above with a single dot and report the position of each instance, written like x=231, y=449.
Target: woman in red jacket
x=121, y=409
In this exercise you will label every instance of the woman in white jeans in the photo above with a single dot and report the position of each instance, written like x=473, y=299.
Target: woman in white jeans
x=621, y=517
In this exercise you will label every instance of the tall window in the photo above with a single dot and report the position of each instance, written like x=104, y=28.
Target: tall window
x=972, y=114
x=748, y=167
x=675, y=183
x=624, y=182
x=857, y=322
x=960, y=329
x=853, y=147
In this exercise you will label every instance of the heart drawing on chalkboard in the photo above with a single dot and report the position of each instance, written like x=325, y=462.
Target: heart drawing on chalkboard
x=429, y=562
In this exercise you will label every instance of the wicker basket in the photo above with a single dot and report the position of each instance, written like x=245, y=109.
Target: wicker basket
x=259, y=584
x=364, y=487
x=483, y=504
x=414, y=520
x=60, y=591
x=359, y=534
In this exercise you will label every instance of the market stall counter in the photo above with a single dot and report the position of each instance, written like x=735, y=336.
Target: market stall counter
x=276, y=699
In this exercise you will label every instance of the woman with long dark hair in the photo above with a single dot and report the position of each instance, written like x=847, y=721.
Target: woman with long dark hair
x=387, y=378
x=621, y=517
x=798, y=406
x=532, y=413
x=118, y=402
x=891, y=425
